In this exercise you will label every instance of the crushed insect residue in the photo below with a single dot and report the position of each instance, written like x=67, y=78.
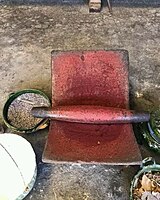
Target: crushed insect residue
x=19, y=112
x=148, y=187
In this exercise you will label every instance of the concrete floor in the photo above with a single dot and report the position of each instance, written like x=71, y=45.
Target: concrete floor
x=30, y=33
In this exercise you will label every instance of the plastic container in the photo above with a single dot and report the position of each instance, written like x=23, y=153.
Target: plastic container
x=18, y=169
x=43, y=123
x=148, y=165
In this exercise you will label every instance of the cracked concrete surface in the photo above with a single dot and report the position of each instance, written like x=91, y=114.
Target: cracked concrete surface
x=30, y=33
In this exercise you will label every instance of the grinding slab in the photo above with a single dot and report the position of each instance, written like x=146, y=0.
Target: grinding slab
x=91, y=78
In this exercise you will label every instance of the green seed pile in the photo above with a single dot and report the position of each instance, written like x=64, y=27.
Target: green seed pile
x=19, y=112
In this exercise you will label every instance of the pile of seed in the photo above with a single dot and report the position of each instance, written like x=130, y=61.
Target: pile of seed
x=19, y=112
x=148, y=187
